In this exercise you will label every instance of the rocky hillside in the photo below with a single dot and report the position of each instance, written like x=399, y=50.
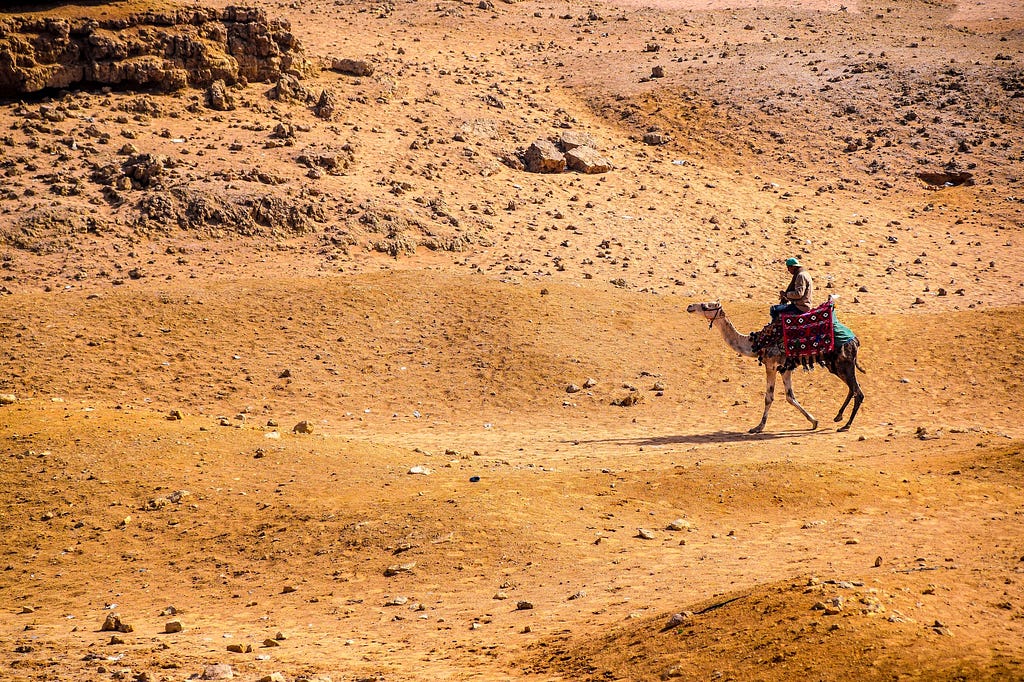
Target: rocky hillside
x=163, y=50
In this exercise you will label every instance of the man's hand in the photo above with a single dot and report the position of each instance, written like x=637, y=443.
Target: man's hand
x=782, y=297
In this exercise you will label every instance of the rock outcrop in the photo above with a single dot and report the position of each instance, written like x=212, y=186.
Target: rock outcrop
x=158, y=50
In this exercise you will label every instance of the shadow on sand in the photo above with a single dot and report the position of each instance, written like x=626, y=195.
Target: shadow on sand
x=706, y=438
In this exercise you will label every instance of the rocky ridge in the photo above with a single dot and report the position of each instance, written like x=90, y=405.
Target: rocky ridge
x=159, y=50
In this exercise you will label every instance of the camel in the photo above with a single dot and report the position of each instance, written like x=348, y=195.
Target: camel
x=842, y=362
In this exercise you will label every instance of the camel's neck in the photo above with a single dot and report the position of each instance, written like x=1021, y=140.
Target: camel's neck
x=738, y=342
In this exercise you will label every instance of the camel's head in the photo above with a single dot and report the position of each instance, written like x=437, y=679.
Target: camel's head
x=710, y=310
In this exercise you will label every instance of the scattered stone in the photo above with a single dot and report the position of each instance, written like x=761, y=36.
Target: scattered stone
x=680, y=524
x=655, y=138
x=398, y=569
x=288, y=589
x=524, y=605
x=27, y=609
x=287, y=88
x=421, y=470
x=353, y=67
x=8, y=398
x=270, y=642
x=872, y=605
x=501, y=595
x=590, y=383
x=645, y=534
x=113, y=623
x=218, y=97
x=116, y=639
x=303, y=427
x=658, y=72
x=173, y=626
x=572, y=388
x=217, y=671
x=326, y=106
x=628, y=400
x=175, y=415
x=240, y=648
x=397, y=601
x=273, y=677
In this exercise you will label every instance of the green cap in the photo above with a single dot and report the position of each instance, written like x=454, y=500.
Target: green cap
x=792, y=262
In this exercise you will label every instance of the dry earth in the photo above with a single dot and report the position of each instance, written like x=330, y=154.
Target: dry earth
x=424, y=307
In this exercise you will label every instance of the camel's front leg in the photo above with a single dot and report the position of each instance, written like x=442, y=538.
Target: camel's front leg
x=787, y=381
x=769, y=393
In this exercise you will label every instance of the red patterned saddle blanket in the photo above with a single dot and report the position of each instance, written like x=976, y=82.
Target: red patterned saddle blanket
x=808, y=336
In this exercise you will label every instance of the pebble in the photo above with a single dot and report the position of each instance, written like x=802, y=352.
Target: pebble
x=240, y=648
x=524, y=605
x=273, y=677
x=644, y=534
x=421, y=470
x=269, y=642
x=173, y=626
x=397, y=601
x=303, y=427
x=680, y=524
x=679, y=618
x=8, y=398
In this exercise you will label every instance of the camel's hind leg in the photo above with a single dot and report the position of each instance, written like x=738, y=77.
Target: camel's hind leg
x=787, y=381
x=770, y=365
x=846, y=369
x=858, y=398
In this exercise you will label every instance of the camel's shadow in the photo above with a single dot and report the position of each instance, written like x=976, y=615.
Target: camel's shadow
x=706, y=438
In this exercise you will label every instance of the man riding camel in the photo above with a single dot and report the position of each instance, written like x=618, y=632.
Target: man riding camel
x=797, y=298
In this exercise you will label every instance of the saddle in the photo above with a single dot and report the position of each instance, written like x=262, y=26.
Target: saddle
x=805, y=339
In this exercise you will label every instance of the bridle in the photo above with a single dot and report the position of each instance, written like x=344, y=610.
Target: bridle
x=718, y=311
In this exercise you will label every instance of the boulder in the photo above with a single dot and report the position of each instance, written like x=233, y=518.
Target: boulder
x=543, y=157
x=218, y=97
x=587, y=160
x=571, y=139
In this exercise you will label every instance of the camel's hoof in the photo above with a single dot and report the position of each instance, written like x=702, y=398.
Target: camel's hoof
x=838, y=418
x=843, y=428
x=814, y=424
x=756, y=429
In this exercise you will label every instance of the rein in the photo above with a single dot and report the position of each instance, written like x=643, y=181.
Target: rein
x=714, y=317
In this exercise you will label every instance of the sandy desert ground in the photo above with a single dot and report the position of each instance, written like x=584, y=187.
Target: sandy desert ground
x=451, y=509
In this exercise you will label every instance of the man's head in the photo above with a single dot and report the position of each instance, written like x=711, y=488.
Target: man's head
x=792, y=264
